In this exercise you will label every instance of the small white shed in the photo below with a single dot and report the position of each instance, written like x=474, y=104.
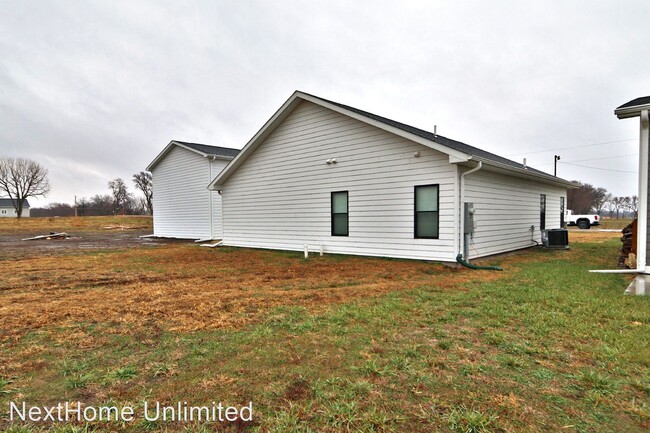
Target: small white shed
x=331, y=176
x=7, y=209
x=183, y=207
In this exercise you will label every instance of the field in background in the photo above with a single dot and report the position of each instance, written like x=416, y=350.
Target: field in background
x=609, y=223
x=73, y=225
x=328, y=344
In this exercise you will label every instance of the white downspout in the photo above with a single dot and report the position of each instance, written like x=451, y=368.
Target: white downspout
x=210, y=192
x=642, y=218
x=462, y=206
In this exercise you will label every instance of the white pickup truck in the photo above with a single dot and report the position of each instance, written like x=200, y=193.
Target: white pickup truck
x=582, y=221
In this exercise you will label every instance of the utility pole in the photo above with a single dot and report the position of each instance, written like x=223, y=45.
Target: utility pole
x=75, y=205
x=555, y=160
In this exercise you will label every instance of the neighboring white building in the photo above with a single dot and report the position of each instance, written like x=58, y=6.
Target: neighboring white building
x=327, y=175
x=183, y=207
x=7, y=209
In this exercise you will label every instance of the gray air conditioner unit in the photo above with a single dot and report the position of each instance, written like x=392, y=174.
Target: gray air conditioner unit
x=556, y=238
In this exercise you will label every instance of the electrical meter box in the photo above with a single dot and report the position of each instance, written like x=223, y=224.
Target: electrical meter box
x=469, y=219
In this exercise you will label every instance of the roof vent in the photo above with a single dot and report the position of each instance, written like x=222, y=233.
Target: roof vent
x=525, y=166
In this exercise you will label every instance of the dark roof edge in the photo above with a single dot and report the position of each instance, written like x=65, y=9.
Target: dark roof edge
x=456, y=145
x=458, y=152
x=218, y=152
x=633, y=108
x=10, y=201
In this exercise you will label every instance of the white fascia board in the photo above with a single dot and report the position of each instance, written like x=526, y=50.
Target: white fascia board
x=288, y=107
x=453, y=159
x=254, y=142
x=524, y=173
x=634, y=111
x=460, y=156
x=167, y=149
x=160, y=156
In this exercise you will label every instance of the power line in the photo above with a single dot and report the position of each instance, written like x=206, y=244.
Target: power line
x=598, y=168
x=585, y=160
x=572, y=147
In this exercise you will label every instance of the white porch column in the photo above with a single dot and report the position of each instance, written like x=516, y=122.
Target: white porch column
x=642, y=220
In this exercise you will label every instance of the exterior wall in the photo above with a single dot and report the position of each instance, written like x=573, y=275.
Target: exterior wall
x=217, y=214
x=183, y=206
x=280, y=197
x=10, y=212
x=504, y=209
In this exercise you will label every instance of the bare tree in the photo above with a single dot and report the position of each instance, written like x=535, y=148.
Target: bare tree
x=625, y=204
x=82, y=206
x=632, y=204
x=53, y=209
x=144, y=182
x=101, y=205
x=601, y=198
x=21, y=178
x=585, y=198
x=120, y=195
x=615, y=204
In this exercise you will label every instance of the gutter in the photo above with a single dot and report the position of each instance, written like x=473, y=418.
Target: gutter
x=529, y=173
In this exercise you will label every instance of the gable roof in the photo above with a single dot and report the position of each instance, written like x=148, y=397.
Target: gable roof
x=7, y=202
x=448, y=142
x=458, y=152
x=633, y=108
x=204, y=150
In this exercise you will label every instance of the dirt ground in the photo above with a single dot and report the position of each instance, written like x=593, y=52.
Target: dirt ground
x=12, y=245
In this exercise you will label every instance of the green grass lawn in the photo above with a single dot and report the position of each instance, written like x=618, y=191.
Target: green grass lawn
x=548, y=347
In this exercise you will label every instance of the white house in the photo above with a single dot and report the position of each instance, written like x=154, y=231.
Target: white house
x=7, y=209
x=183, y=205
x=331, y=176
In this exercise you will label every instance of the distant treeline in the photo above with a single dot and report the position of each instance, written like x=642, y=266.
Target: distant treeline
x=94, y=206
x=120, y=202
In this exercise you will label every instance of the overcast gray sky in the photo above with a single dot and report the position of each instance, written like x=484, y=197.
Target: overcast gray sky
x=95, y=90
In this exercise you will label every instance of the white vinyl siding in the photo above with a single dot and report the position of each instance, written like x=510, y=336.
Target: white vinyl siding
x=183, y=206
x=504, y=209
x=280, y=198
x=10, y=212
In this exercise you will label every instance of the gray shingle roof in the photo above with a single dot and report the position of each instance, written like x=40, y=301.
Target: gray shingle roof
x=7, y=202
x=644, y=100
x=448, y=142
x=211, y=150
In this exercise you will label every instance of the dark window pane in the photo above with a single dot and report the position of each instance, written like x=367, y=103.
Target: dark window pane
x=340, y=224
x=426, y=224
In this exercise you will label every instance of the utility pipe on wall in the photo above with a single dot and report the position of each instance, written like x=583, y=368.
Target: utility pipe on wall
x=462, y=204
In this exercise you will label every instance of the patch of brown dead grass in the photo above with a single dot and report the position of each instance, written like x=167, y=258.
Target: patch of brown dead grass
x=44, y=225
x=592, y=236
x=185, y=287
